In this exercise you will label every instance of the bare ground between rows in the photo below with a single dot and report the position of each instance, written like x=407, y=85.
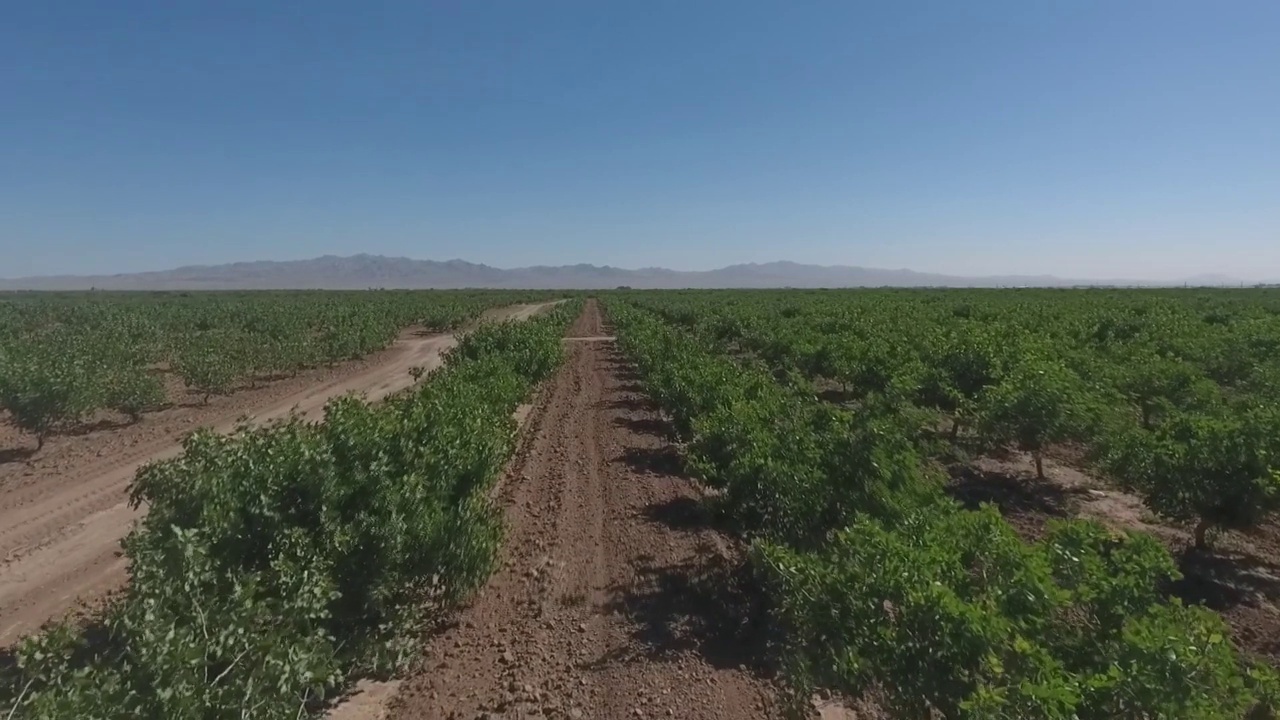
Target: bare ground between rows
x=64, y=511
x=613, y=598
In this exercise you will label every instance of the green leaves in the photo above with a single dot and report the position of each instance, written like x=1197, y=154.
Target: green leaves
x=132, y=390
x=535, y=349
x=1215, y=469
x=63, y=358
x=44, y=390
x=1159, y=385
x=1038, y=403
x=875, y=580
x=276, y=563
x=1171, y=661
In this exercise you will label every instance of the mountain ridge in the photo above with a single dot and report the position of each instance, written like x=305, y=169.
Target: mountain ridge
x=332, y=272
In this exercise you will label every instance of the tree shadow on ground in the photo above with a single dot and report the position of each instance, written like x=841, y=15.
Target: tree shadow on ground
x=683, y=514
x=88, y=428
x=664, y=460
x=635, y=403
x=632, y=387
x=639, y=412
x=268, y=378
x=656, y=427
x=709, y=607
x=1013, y=495
x=13, y=455
x=625, y=371
x=1225, y=580
x=1028, y=505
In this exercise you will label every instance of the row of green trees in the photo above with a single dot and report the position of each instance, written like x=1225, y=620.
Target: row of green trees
x=62, y=359
x=878, y=583
x=277, y=563
x=1174, y=395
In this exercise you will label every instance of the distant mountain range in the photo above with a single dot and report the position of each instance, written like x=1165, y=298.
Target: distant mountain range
x=376, y=271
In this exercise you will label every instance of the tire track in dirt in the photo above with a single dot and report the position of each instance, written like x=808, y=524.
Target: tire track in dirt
x=605, y=604
x=59, y=540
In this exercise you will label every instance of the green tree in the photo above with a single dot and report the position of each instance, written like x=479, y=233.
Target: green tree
x=959, y=368
x=1158, y=385
x=1037, y=404
x=207, y=371
x=1217, y=470
x=132, y=390
x=44, y=389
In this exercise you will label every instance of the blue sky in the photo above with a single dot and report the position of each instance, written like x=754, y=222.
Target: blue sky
x=1084, y=138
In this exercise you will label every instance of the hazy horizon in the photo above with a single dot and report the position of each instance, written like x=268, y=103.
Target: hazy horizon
x=1097, y=140
x=1171, y=279
x=369, y=270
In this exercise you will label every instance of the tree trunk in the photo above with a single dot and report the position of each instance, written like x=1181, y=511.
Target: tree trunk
x=955, y=428
x=1201, y=530
x=1039, y=465
x=40, y=441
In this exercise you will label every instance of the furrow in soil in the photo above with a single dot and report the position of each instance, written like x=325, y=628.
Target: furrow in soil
x=605, y=604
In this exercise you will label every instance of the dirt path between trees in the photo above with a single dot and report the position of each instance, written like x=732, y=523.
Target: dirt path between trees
x=62, y=516
x=611, y=600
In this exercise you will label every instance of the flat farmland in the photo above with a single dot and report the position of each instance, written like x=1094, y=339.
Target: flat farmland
x=65, y=507
x=697, y=504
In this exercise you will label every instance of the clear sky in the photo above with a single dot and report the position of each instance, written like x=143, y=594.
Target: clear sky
x=1084, y=138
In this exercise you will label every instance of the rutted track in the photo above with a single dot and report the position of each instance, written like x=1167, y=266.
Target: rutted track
x=59, y=534
x=602, y=607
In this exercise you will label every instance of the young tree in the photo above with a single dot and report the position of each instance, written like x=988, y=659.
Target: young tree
x=863, y=365
x=1217, y=470
x=1159, y=385
x=43, y=389
x=207, y=371
x=131, y=390
x=1038, y=403
x=959, y=368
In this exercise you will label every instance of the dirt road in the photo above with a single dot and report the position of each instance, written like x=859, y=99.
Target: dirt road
x=61, y=519
x=611, y=600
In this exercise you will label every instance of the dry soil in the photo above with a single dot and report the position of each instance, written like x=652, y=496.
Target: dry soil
x=612, y=600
